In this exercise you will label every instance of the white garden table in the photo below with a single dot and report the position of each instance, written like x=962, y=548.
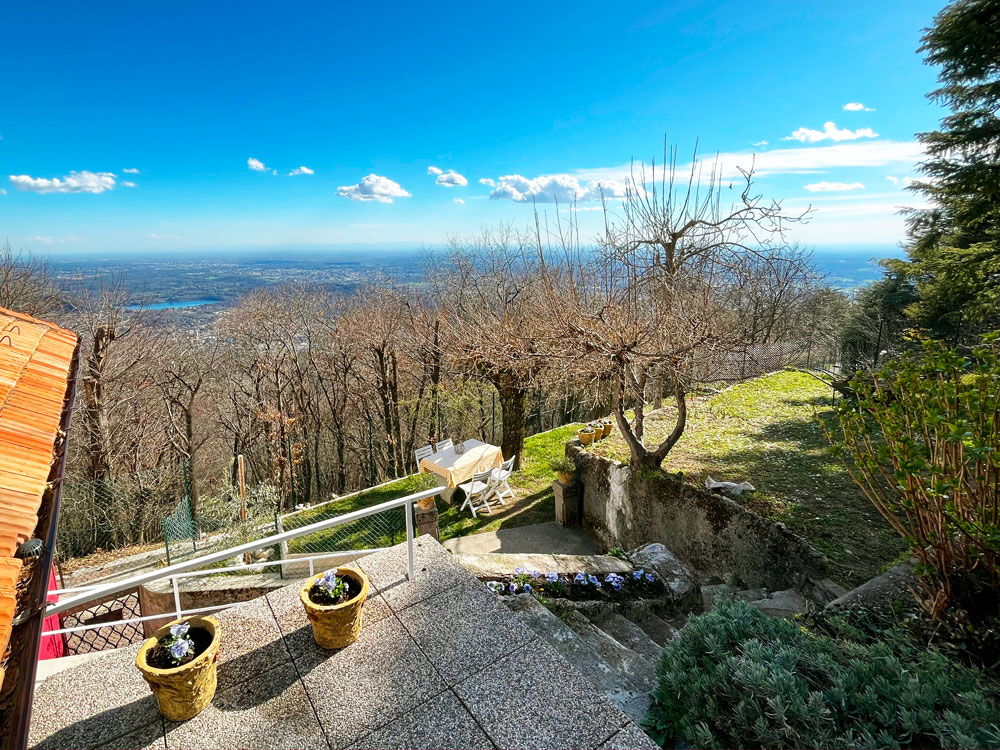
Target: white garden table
x=451, y=468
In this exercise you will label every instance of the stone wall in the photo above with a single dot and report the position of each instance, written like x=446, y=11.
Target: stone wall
x=713, y=535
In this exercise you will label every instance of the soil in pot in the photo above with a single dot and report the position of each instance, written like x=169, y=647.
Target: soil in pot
x=160, y=658
x=319, y=595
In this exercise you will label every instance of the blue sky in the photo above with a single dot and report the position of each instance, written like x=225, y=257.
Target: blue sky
x=215, y=104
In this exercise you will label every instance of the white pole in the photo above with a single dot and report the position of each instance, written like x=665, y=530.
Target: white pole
x=177, y=598
x=408, y=509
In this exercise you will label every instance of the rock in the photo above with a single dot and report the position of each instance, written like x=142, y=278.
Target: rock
x=680, y=582
x=882, y=592
x=825, y=591
x=784, y=604
x=732, y=489
x=710, y=593
x=751, y=595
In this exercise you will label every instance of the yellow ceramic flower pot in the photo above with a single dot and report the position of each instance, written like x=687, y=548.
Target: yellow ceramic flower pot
x=182, y=692
x=336, y=625
x=607, y=427
x=586, y=437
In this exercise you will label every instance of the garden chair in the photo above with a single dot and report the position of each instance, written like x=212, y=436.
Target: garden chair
x=423, y=452
x=481, y=487
x=445, y=444
x=500, y=477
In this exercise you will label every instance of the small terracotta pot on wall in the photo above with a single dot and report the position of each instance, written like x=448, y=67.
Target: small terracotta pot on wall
x=336, y=625
x=182, y=692
x=586, y=437
x=606, y=427
x=565, y=477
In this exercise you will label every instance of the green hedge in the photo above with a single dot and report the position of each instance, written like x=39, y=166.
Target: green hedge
x=738, y=678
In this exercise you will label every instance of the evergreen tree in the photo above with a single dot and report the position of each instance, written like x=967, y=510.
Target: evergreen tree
x=954, y=246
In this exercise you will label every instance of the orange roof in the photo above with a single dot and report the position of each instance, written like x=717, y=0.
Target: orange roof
x=35, y=362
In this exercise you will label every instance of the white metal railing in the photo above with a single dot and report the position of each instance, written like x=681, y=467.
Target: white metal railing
x=71, y=598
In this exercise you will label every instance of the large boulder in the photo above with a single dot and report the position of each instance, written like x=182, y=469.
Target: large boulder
x=882, y=593
x=682, y=585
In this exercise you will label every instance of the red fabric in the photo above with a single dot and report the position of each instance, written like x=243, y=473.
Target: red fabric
x=51, y=646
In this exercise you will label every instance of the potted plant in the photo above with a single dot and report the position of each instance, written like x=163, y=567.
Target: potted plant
x=606, y=426
x=179, y=664
x=586, y=435
x=564, y=469
x=598, y=429
x=333, y=602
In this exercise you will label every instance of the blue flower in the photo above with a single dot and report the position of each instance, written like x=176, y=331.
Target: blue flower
x=180, y=629
x=180, y=648
x=616, y=585
x=513, y=588
x=527, y=588
x=552, y=577
x=495, y=586
x=581, y=579
x=593, y=580
x=650, y=577
x=536, y=574
x=637, y=574
x=519, y=571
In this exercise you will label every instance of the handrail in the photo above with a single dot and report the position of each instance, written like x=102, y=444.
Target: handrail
x=171, y=571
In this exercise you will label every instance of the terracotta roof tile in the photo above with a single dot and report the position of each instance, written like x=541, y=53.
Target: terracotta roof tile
x=35, y=363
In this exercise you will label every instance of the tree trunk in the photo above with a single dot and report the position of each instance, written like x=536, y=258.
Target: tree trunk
x=512, y=400
x=95, y=416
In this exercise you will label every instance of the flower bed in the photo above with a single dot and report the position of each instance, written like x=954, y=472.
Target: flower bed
x=580, y=587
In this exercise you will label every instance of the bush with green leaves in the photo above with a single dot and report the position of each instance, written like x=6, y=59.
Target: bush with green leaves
x=922, y=441
x=738, y=678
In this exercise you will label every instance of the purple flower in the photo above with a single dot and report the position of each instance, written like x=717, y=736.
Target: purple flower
x=593, y=580
x=513, y=588
x=650, y=577
x=527, y=588
x=637, y=574
x=180, y=648
x=580, y=578
x=552, y=577
x=180, y=629
x=536, y=574
x=518, y=571
x=495, y=586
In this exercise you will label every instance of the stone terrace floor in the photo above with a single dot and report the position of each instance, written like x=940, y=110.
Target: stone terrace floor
x=440, y=664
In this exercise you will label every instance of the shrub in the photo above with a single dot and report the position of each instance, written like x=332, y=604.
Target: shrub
x=738, y=678
x=922, y=441
x=562, y=465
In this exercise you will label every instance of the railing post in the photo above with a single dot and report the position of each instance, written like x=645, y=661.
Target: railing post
x=177, y=597
x=409, y=540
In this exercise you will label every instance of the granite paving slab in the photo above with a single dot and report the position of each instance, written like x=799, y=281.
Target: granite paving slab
x=268, y=712
x=149, y=737
x=442, y=723
x=379, y=677
x=434, y=571
x=630, y=737
x=250, y=644
x=464, y=629
x=92, y=703
x=532, y=698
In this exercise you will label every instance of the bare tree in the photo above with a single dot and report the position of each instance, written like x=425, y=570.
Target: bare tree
x=26, y=284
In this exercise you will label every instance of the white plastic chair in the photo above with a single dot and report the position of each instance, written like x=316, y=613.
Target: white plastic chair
x=500, y=477
x=423, y=452
x=444, y=444
x=481, y=487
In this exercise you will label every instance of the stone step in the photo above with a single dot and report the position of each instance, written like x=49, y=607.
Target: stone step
x=578, y=653
x=493, y=564
x=638, y=670
x=630, y=635
x=658, y=629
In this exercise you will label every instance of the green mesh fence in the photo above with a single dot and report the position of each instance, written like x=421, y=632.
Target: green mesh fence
x=178, y=527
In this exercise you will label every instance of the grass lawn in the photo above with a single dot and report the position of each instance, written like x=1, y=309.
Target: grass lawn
x=533, y=503
x=765, y=431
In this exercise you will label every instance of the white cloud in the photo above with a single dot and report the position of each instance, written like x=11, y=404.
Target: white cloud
x=857, y=107
x=904, y=181
x=830, y=132
x=487, y=181
x=256, y=165
x=434, y=170
x=74, y=182
x=451, y=178
x=833, y=187
x=760, y=143
x=3, y=191
x=127, y=183
x=48, y=239
x=301, y=170
x=373, y=188
x=459, y=201
x=130, y=170
x=562, y=188
x=158, y=236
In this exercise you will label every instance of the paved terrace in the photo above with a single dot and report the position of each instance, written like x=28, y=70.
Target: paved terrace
x=440, y=663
